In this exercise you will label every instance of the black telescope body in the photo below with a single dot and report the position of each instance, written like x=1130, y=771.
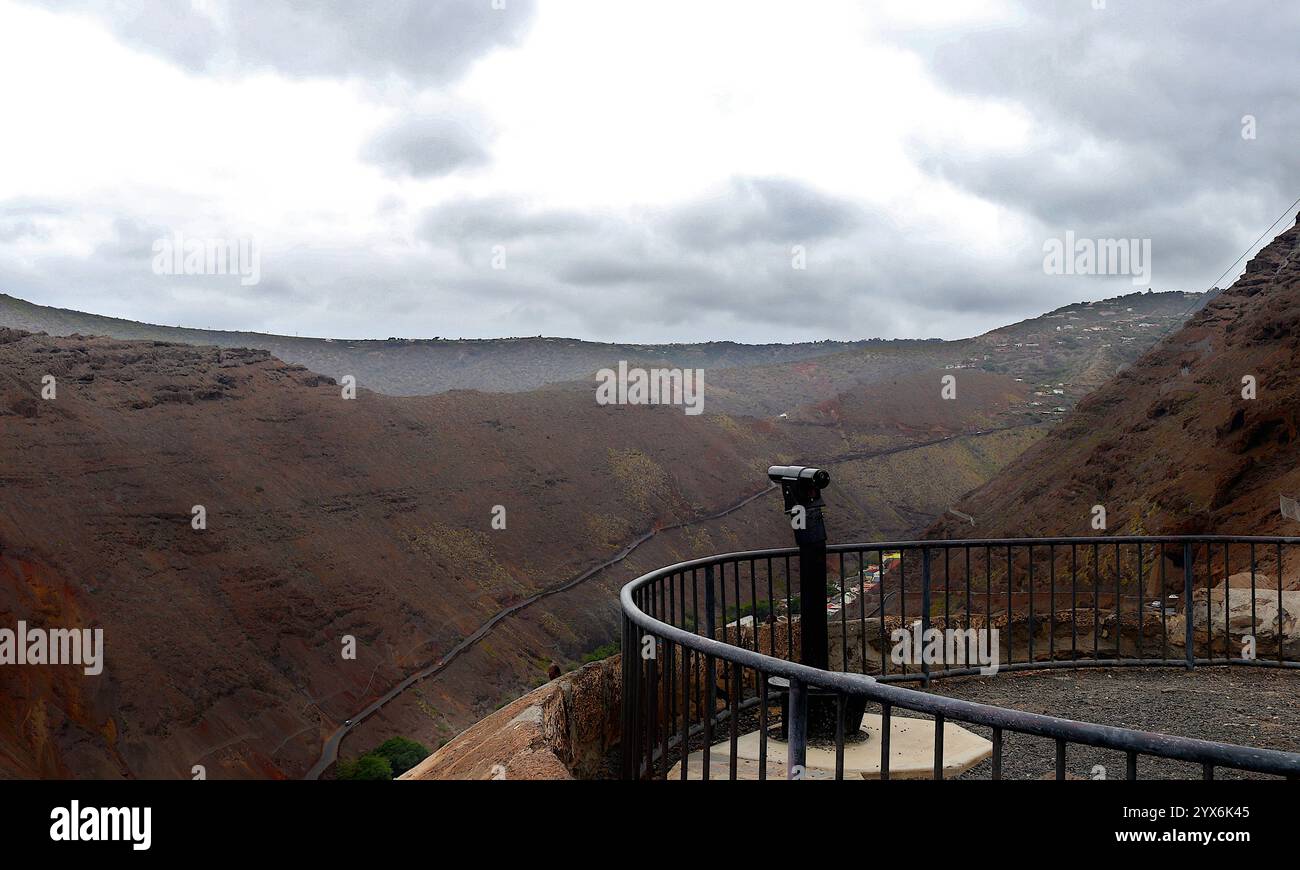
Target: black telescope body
x=800, y=486
x=818, y=477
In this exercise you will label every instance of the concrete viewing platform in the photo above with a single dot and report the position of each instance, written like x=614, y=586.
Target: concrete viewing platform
x=911, y=754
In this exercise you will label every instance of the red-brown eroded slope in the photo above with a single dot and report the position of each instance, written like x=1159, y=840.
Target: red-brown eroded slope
x=369, y=518
x=325, y=518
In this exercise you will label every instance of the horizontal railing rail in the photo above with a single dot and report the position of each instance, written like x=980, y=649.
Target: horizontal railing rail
x=709, y=645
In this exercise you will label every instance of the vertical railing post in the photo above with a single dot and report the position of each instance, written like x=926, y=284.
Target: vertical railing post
x=632, y=699
x=652, y=709
x=638, y=696
x=710, y=675
x=1188, y=580
x=796, y=748
x=925, y=614
x=710, y=627
x=626, y=657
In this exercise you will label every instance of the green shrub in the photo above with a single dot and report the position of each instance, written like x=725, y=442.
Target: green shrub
x=389, y=760
x=367, y=767
x=601, y=653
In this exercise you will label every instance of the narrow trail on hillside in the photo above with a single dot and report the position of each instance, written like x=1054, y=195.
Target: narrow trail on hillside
x=330, y=749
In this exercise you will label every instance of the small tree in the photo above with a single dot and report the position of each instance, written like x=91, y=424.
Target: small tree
x=402, y=754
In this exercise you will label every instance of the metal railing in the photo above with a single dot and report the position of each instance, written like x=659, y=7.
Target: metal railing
x=703, y=640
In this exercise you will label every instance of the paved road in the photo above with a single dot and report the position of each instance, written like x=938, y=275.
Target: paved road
x=330, y=749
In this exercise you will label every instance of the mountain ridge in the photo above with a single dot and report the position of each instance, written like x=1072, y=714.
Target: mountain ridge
x=407, y=367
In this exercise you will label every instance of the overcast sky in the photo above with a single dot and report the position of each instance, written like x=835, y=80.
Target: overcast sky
x=644, y=170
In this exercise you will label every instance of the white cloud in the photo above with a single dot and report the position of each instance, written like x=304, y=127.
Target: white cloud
x=647, y=166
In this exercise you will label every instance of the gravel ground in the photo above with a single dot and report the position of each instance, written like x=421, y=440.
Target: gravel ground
x=1257, y=707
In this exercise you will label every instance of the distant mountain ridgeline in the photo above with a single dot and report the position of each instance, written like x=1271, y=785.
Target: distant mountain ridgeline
x=419, y=367
x=755, y=379
x=1060, y=356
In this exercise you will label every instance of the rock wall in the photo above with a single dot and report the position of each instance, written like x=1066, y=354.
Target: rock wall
x=566, y=729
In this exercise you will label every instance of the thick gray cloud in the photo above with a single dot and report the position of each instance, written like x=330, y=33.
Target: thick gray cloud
x=1134, y=131
x=763, y=209
x=427, y=147
x=724, y=261
x=1137, y=119
x=499, y=219
x=603, y=276
x=424, y=41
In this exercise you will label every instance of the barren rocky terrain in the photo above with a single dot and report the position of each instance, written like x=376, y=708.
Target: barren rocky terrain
x=371, y=519
x=325, y=517
x=1090, y=343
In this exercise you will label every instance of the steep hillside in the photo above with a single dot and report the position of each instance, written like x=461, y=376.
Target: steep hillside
x=1171, y=445
x=325, y=518
x=329, y=518
x=911, y=406
x=1061, y=355
x=371, y=519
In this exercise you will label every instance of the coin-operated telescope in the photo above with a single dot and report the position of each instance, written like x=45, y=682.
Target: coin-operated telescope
x=801, y=487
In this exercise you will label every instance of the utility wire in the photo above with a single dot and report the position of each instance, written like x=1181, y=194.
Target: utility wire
x=1204, y=298
x=1284, y=214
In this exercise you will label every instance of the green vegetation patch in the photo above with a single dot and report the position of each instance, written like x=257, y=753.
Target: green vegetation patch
x=389, y=760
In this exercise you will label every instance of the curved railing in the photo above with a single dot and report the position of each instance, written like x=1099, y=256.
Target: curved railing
x=703, y=640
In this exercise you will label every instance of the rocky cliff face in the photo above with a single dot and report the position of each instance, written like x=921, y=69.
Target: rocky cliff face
x=566, y=729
